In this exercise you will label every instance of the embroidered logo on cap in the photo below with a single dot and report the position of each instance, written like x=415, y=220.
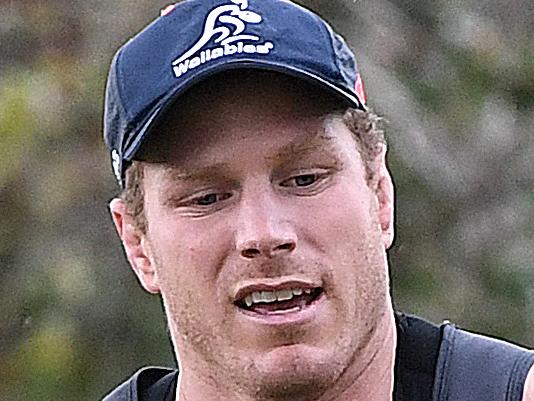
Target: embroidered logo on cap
x=227, y=23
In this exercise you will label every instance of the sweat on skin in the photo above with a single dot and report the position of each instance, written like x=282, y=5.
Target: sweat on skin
x=261, y=183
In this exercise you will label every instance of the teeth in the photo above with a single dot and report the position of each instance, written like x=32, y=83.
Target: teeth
x=273, y=296
x=297, y=291
x=284, y=295
x=257, y=297
x=268, y=296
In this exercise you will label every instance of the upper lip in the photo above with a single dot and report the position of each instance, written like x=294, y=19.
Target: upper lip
x=272, y=285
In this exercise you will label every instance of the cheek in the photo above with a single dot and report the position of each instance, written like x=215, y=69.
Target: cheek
x=347, y=233
x=189, y=283
x=188, y=270
x=192, y=251
x=195, y=326
x=188, y=260
x=341, y=220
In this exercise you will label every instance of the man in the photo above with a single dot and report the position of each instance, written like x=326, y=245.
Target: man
x=257, y=202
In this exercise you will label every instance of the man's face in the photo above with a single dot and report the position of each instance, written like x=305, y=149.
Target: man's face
x=261, y=192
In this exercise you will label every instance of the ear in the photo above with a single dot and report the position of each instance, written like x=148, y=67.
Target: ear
x=385, y=195
x=135, y=245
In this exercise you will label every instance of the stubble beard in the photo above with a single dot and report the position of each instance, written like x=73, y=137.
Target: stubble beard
x=242, y=379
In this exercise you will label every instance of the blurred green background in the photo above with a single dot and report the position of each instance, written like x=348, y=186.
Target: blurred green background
x=455, y=81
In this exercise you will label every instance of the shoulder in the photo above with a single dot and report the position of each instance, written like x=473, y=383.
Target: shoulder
x=528, y=395
x=505, y=372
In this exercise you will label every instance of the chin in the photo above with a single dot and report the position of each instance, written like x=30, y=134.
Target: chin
x=294, y=372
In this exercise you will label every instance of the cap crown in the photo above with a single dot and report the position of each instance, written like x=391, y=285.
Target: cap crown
x=198, y=38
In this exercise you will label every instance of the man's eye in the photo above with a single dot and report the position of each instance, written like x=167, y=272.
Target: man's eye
x=210, y=199
x=304, y=180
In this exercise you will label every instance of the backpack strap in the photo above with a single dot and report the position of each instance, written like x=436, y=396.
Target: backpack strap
x=133, y=388
x=472, y=367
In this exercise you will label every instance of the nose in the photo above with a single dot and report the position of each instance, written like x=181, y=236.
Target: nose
x=279, y=246
x=263, y=230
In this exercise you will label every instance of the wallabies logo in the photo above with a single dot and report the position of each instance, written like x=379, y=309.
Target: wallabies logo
x=225, y=24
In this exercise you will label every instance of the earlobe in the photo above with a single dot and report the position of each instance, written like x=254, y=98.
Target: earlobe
x=385, y=194
x=135, y=245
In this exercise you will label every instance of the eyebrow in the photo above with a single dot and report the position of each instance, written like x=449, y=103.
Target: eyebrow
x=176, y=173
x=304, y=146
x=319, y=142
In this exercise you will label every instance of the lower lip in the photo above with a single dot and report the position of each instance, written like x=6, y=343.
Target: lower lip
x=299, y=316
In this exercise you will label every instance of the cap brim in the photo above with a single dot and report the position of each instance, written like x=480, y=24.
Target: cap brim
x=174, y=93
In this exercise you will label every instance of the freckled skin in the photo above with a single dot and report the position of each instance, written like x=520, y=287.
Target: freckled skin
x=196, y=252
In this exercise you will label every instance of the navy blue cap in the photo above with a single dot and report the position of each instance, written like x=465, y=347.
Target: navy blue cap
x=195, y=39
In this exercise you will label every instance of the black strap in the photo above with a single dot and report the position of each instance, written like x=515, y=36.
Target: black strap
x=416, y=355
x=138, y=387
x=162, y=390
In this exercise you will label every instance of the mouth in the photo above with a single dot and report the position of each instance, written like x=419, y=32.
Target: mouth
x=278, y=301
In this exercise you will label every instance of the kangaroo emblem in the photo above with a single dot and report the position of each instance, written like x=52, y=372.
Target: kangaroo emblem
x=235, y=15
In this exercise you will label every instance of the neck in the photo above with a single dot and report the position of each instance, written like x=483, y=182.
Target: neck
x=373, y=382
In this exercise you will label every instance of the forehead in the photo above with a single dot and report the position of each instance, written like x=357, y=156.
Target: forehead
x=224, y=108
